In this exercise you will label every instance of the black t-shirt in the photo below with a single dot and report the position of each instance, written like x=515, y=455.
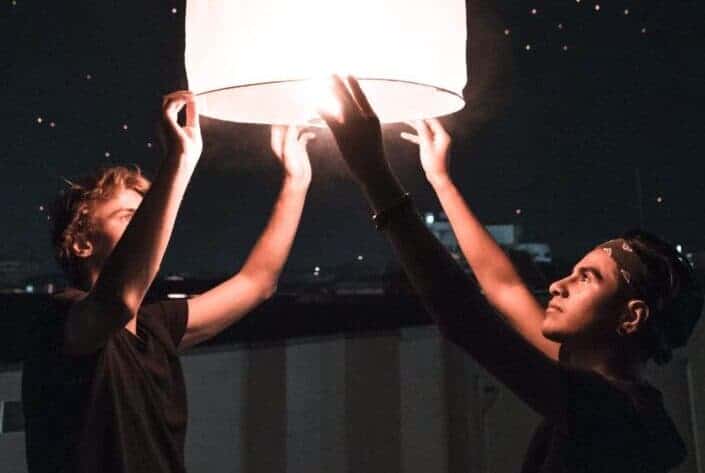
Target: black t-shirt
x=593, y=425
x=608, y=426
x=121, y=409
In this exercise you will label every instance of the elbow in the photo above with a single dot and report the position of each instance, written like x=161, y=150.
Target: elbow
x=269, y=290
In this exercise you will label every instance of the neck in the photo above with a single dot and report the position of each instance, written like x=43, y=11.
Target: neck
x=613, y=360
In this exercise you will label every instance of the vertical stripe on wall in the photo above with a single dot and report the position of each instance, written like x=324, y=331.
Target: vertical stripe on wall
x=332, y=408
x=372, y=412
x=265, y=418
x=463, y=419
x=303, y=401
x=423, y=416
x=215, y=383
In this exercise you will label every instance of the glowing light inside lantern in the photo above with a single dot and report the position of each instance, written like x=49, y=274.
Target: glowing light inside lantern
x=314, y=95
x=263, y=62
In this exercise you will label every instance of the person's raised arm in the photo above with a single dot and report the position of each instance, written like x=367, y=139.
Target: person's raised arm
x=494, y=271
x=117, y=293
x=456, y=304
x=214, y=310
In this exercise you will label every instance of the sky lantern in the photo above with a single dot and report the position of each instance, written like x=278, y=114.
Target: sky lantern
x=267, y=61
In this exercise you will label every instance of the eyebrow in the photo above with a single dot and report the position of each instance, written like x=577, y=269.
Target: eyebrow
x=592, y=270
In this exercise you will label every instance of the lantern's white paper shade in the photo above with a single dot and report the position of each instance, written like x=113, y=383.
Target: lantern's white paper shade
x=263, y=61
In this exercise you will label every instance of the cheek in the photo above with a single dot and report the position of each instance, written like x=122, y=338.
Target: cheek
x=109, y=235
x=583, y=310
x=594, y=311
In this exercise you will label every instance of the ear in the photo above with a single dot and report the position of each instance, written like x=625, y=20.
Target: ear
x=636, y=314
x=82, y=247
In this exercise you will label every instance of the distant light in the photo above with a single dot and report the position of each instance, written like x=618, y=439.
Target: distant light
x=360, y=257
x=430, y=218
x=565, y=47
x=626, y=11
x=124, y=126
x=107, y=154
x=317, y=268
x=41, y=208
x=560, y=26
x=643, y=30
x=149, y=144
x=176, y=295
x=659, y=199
x=518, y=211
x=679, y=248
x=89, y=77
x=597, y=7
x=174, y=10
x=506, y=32
x=29, y=288
x=533, y=11
x=52, y=124
x=40, y=119
x=527, y=47
x=14, y=3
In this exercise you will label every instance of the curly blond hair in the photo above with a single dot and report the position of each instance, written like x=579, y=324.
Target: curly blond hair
x=71, y=212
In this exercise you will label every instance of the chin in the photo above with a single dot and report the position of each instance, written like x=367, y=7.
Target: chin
x=553, y=333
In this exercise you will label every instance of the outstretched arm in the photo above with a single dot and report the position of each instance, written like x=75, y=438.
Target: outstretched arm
x=458, y=307
x=129, y=270
x=216, y=309
x=495, y=272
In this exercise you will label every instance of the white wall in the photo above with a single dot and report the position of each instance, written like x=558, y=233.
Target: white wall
x=399, y=401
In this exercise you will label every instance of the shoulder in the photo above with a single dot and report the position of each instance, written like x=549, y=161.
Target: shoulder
x=53, y=312
x=626, y=413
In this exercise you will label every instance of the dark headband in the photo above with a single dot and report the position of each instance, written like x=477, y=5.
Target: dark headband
x=630, y=266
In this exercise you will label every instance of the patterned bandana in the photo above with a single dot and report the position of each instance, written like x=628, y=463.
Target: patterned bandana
x=629, y=264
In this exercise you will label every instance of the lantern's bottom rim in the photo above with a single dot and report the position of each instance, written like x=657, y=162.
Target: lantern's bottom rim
x=245, y=102
x=360, y=79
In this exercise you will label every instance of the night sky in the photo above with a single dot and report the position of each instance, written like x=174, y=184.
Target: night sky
x=572, y=107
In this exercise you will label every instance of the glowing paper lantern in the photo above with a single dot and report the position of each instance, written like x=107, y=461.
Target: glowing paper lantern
x=264, y=61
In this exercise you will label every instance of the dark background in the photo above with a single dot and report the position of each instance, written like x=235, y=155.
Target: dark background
x=575, y=143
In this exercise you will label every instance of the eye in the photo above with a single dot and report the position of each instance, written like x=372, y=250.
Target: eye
x=584, y=277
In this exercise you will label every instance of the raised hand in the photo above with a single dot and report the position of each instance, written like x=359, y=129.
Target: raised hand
x=356, y=130
x=182, y=141
x=434, y=145
x=289, y=146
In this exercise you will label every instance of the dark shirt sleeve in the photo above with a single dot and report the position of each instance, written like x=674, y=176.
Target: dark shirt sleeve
x=466, y=318
x=170, y=314
x=51, y=325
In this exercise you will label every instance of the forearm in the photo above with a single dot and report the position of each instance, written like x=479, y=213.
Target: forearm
x=494, y=271
x=488, y=261
x=225, y=304
x=131, y=267
x=445, y=290
x=268, y=256
x=465, y=317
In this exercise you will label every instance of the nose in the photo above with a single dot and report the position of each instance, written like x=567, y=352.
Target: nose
x=558, y=288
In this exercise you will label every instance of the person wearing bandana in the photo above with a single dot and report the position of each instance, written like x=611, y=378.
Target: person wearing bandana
x=577, y=362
